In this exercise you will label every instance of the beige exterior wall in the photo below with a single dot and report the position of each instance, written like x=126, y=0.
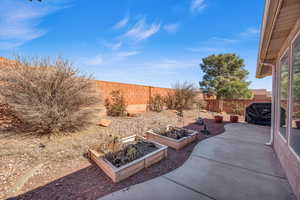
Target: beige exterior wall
x=290, y=161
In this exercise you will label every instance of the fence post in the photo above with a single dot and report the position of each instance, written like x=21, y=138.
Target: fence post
x=221, y=105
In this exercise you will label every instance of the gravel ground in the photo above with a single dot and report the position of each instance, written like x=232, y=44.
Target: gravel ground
x=64, y=173
x=91, y=183
x=20, y=153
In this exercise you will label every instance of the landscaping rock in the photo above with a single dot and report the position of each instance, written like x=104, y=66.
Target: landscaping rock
x=174, y=111
x=104, y=122
x=134, y=113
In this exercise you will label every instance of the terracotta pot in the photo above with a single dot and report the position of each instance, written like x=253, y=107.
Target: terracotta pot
x=298, y=124
x=234, y=118
x=218, y=119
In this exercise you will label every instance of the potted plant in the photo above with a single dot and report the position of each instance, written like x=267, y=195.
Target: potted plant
x=173, y=137
x=127, y=156
x=236, y=111
x=218, y=118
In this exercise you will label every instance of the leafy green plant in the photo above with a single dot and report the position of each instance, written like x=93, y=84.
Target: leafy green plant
x=130, y=152
x=156, y=103
x=116, y=105
x=111, y=143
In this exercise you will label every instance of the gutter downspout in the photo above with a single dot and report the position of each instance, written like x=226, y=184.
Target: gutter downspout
x=274, y=95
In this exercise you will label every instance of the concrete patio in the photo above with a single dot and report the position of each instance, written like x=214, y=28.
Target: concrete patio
x=236, y=165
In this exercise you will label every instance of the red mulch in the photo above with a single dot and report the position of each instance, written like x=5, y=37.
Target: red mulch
x=92, y=183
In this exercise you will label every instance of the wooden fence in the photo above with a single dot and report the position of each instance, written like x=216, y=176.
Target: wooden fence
x=228, y=106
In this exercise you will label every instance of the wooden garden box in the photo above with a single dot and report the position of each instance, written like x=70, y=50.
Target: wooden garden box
x=118, y=174
x=170, y=142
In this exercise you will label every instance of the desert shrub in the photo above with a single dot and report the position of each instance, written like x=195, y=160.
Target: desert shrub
x=111, y=143
x=237, y=108
x=116, y=105
x=182, y=98
x=201, y=104
x=170, y=100
x=156, y=103
x=49, y=96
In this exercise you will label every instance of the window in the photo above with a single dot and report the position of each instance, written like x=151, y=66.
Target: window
x=295, y=129
x=283, y=93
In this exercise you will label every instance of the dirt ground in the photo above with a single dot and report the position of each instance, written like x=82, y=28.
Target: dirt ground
x=39, y=168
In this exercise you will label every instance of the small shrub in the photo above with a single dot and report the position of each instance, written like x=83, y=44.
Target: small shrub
x=182, y=98
x=237, y=108
x=116, y=106
x=201, y=104
x=156, y=103
x=170, y=101
x=111, y=143
x=49, y=96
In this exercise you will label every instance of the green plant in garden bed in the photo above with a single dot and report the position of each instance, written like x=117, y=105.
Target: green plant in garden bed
x=130, y=152
x=173, y=132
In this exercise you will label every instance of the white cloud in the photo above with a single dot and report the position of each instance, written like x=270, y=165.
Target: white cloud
x=141, y=30
x=170, y=64
x=197, y=6
x=171, y=28
x=113, y=46
x=223, y=44
x=113, y=58
x=214, y=45
x=96, y=60
x=125, y=54
x=205, y=49
x=250, y=32
x=122, y=23
x=19, y=21
x=221, y=40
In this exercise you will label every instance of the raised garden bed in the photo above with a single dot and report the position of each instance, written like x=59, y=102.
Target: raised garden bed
x=173, y=137
x=149, y=153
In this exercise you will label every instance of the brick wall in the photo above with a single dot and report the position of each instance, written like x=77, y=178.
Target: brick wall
x=136, y=96
x=289, y=162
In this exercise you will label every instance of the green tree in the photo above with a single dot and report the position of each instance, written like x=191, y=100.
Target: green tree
x=225, y=77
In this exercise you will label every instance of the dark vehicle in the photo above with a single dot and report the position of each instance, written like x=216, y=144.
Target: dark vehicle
x=261, y=114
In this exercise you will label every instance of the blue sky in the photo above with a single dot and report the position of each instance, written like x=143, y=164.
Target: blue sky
x=157, y=42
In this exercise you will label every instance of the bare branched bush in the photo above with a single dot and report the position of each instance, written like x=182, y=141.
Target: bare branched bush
x=156, y=103
x=182, y=98
x=170, y=101
x=116, y=105
x=201, y=104
x=49, y=96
